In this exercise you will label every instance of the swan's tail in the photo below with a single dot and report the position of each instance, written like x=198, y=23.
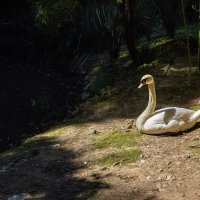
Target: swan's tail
x=196, y=116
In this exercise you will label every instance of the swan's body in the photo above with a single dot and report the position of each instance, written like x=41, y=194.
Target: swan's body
x=167, y=120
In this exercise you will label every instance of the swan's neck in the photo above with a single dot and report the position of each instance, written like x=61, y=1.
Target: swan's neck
x=149, y=109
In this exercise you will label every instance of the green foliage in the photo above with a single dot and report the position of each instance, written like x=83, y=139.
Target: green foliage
x=160, y=42
x=168, y=11
x=10, y=153
x=99, y=84
x=25, y=137
x=51, y=14
x=101, y=26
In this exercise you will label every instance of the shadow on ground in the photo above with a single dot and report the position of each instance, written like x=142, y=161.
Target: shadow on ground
x=44, y=171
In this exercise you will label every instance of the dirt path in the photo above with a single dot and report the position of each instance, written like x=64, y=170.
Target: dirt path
x=168, y=168
x=63, y=167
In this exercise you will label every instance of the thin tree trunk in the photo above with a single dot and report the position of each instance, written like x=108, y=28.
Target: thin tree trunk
x=199, y=40
x=188, y=44
x=130, y=30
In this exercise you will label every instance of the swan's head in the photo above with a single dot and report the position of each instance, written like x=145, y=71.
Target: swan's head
x=146, y=80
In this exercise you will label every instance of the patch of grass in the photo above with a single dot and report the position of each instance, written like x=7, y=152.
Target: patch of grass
x=124, y=54
x=145, y=66
x=9, y=153
x=195, y=108
x=25, y=138
x=58, y=132
x=125, y=59
x=160, y=42
x=117, y=140
x=12, y=152
x=125, y=157
x=196, y=150
x=102, y=105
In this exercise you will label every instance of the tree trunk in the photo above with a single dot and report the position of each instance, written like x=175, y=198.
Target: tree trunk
x=188, y=44
x=199, y=41
x=130, y=30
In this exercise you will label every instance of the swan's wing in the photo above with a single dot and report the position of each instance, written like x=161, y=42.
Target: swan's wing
x=165, y=115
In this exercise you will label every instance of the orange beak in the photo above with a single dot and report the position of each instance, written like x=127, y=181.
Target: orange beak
x=140, y=85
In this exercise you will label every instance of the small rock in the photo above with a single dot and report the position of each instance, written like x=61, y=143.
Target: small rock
x=85, y=163
x=179, y=178
x=142, y=161
x=16, y=197
x=161, y=189
x=95, y=132
x=128, y=124
x=161, y=170
x=159, y=178
x=149, y=178
x=187, y=156
x=3, y=170
x=168, y=178
x=158, y=186
x=56, y=145
x=164, y=185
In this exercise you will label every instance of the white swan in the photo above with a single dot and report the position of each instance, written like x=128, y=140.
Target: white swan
x=167, y=120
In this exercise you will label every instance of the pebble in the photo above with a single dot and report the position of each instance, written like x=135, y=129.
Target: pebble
x=95, y=132
x=149, y=178
x=142, y=161
x=16, y=197
x=161, y=189
x=158, y=186
x=159, y=178
x=128, y=124
x=187, y=156
x=164, y=185
x=168, y=178
x=56, y=145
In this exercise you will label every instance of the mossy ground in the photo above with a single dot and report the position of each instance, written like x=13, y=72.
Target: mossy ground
x=118, y=140
x=124, y=157
x=125, y=146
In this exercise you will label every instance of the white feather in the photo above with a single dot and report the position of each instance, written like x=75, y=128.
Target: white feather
x=167, y=120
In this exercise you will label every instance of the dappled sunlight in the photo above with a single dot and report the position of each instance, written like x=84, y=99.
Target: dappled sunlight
x=54, y=168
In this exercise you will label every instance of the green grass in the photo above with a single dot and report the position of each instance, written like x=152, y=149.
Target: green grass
x=10, y=153
x=126, y=145
x=124, y=54
x=59, y=131
x=124, y=157
x=195, y=108
x=159, y=42
x=117, y=140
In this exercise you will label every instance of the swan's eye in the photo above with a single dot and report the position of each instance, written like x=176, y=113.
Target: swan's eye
x=143, y=81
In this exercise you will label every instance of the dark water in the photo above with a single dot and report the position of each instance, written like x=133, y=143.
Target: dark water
x=32, y=98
